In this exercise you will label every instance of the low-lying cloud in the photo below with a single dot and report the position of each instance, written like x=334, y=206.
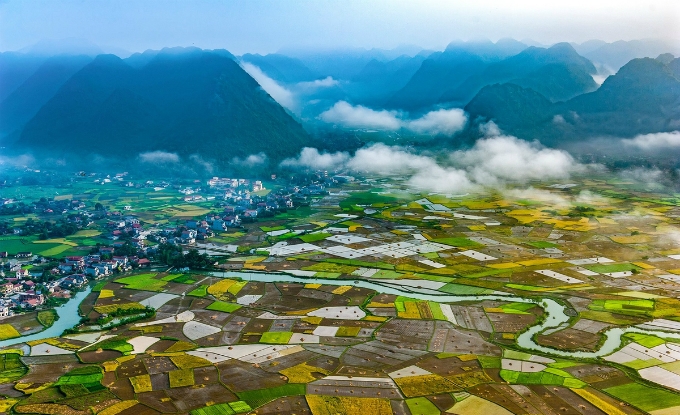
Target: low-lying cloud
x=253, y=160
x=347, y=115
x=314, y=159
x=507, y=158
x=443, y=121
x=280, y=94
x=494, y=161
x=159, y=157
x=655, y=141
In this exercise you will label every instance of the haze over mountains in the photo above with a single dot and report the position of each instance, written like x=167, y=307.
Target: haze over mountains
x=208, y=103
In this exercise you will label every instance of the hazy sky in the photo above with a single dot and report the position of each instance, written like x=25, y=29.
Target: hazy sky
x=268, y=25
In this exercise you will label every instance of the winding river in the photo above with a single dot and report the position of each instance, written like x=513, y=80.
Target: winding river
x=555, y=315
x=68, y=317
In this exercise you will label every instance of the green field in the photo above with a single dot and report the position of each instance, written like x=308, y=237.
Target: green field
x=47, y=317
x=223, y=306
x=200, y=291
x=608, y=268
x=459, y=289
x=276, y=337
x=82, y=375
x=259, y=397
x=145, y=282
x=230, y=408
x=422, y=406
x=645, y=397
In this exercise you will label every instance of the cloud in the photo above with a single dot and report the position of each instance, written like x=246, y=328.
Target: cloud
x=506, y=158
x=311, y=158
x=347, y=115
x=655, y=141
x=443, y=121
x=447, y=122
x=252, y=160
x=492, y=162
x=531, y=193
x=327, y=82
x=280, y=94
x=17, y=161
x=158, y=157
x=384, y=159
x=206, y=165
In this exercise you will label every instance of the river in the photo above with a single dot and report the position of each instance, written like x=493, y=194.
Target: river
x=68, y=318
x=554, y=312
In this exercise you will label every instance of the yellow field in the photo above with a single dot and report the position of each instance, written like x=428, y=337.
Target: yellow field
x=604, y=406
x=425, y=385
x=182, y=377
x=341, y=405
x=105, y=294
x=118, y=407
x=8, y=332
x=342, y=289
x=106, y=309
x=221, y=288
x=302, y=373
x=312, y=286
x=632, y=239
x=187, y=361
x=540, y=261
x=504, y=265
x=411, y=311
x=141, y=383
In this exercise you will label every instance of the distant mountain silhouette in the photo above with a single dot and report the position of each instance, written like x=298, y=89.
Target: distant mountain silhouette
x=643, y=97
x=25, y=101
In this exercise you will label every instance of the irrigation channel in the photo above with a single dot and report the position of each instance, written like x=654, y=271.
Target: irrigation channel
x=555, y=312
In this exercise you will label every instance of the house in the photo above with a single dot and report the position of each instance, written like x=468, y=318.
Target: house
x=22, y=273
x=65, y=268
x=143, y=262
x=3, y=254
x=77, y=261
x=92, y=271
x=73, y=281
x=219, y=225
x=30, y=299
x=4, y=308
x=106, y=250
x=188, y=236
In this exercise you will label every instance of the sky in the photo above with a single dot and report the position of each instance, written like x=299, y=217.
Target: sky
x=266, y=26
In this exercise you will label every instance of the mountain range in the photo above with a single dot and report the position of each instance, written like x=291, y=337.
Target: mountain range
x=190, y=101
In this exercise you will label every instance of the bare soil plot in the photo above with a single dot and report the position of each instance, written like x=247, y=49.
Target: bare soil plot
x=570, y=339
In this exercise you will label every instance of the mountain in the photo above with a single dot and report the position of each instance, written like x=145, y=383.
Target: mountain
x=643, y=97
x=185, y=102
x=449, y=69
x=557, y=72
x=15, y=69
x=615, y=55
x=22, y=104
x=345, y=64
x=280, y=67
